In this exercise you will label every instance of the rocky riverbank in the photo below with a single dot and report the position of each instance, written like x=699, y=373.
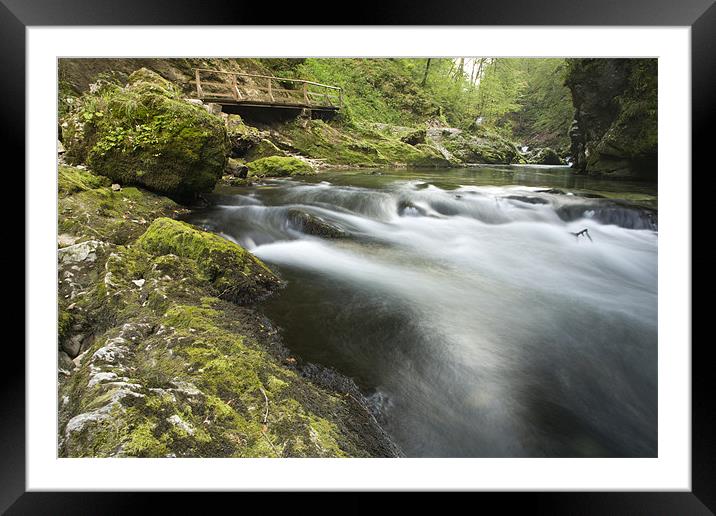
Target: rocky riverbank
x=162, y=352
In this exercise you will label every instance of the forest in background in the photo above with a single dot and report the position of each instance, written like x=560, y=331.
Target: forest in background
x=524, y=98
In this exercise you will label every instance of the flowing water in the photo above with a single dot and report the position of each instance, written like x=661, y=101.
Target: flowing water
x=463, y=303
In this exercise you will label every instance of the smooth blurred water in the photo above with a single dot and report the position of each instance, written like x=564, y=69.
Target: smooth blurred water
x=463, y=302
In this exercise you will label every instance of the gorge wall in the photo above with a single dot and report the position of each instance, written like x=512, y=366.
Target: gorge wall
x=614, y=131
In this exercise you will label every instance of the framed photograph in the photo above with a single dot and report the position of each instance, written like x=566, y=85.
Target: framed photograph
x=443, y=250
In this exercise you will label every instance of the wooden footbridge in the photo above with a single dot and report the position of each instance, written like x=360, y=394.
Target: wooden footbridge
x=251, y=90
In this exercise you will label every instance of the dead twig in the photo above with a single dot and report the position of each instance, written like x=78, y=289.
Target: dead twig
x=267, y=406
x=264, y=428
x=584, y=232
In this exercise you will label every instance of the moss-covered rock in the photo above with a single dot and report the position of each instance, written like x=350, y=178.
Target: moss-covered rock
x=414, y=137
x=279, y=166
x=263, y=149
x=235, y=274
x=242, y=137
x=360, y=145
x=146, y=134
x=71, y=180
x=236, y=168
x=545, y=156
x=478, y=145
x=171, y=370
x=89, y=209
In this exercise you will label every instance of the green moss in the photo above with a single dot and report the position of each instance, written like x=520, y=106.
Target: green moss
x=263, y=149
x=324, y=433
x=72, y=180
x=143, y=443
x=64, y=323
x=275, y=384
x=91, y=212
x=415, y=136
x=235, y=273
x=279, y=166
x=147, y=78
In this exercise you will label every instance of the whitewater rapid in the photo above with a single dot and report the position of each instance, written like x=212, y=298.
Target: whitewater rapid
x=481, y=323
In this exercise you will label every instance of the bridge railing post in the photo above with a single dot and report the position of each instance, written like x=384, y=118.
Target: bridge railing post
x=270, y=92
x=305, y=94
x=234, y=87
x=199, y=91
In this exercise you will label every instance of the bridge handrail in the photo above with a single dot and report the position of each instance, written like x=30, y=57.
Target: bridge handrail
x=271, y=77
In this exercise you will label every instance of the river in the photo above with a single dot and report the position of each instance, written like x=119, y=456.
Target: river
x=462, y=303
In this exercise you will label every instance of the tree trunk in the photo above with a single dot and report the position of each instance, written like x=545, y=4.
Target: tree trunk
x=427, y=69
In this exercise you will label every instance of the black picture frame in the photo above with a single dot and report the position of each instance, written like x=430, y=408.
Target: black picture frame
x=700, y=15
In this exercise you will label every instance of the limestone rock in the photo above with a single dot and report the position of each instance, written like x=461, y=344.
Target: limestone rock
x=84, y=251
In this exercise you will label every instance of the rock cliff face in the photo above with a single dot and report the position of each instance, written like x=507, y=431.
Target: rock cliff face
x=614, y=131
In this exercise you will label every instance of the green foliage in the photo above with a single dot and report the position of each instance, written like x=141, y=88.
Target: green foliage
x=393, y=91
x=499, y=89
x=527, y=99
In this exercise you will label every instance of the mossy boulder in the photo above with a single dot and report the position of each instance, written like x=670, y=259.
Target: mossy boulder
x=242, y=137
x=236, y=168
x=263, y=149
x=235, y=273
x=89, y=209
x=545, y=156
x=480, y=145
x=279, y=166
x=146, y=134
x=415, y=137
